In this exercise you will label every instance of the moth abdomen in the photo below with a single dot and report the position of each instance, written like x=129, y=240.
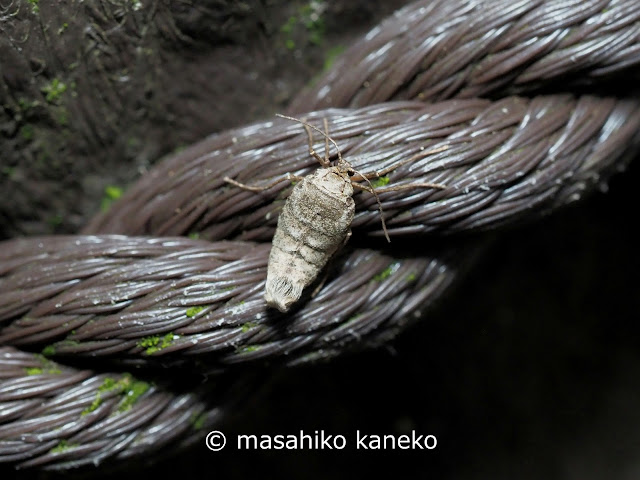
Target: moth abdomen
x=313, y=224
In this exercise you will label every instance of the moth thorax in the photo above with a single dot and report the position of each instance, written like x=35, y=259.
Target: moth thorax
x=333, y=181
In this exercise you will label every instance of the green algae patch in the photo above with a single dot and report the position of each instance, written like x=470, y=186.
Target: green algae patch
x=129, y=388
x=97, y=401
x=62, y=446
x=47, y=369
x=198, y=419
x=27, y=132
x=386, y=273
x=193, y=311
x=248, y=326
x=53, y=91
x=111, y=194
x=306, y=26
x=35, y=7
x=380, y=182
x=49, y=350
x=332, y=54
x=156, y=343
x=133, y=390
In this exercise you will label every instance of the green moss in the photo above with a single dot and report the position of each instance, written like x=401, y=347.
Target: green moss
x=55, y=220
x=9, y=171
x=97, y=401
x=311, y=18
x=411, y=277
x=62, y=28
x=54, y=90
x=149, y=341
x=155, y=343
x=248, y=326
x=47, y=368
x=386, y=273
x=49, y=350
x=35, y=8
x=62, y=446
x=26, y=132
x=289, y=25
x=133, y=142
x=194, y=235
x=108, y=384
x=129, y=388
x=380, y=182
x=307, y=25
x=132, y=392
x=249, y=349
x=111, y=194
x=197, y=420
x=331, y=56
x=193, y=311
x=25, y=104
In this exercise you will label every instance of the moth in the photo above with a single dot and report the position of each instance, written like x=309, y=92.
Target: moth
x=315, y=221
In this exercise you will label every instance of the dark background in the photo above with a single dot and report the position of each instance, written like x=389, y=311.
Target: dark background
x=528, y=368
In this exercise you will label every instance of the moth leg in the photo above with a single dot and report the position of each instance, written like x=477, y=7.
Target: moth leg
x=391, y=168
x=410, y=186
x=374, y=193
x=323, y=161
x=326, y=140
x=254, y=188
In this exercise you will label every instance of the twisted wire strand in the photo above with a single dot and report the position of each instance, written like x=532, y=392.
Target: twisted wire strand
x=508, y=160
x=173, y=297
x=59, y=417
x=505, y=160
x=437, y=49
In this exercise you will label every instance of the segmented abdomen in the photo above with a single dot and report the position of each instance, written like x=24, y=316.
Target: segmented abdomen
x=312, y=226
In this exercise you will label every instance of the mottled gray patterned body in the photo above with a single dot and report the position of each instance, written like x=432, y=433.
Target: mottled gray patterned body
x=314, y=223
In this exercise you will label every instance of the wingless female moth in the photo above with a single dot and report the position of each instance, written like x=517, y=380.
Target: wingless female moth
x=316, y=218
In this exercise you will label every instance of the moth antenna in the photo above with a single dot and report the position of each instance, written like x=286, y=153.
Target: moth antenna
x=340, y=160
x=317, y=130
x=373, y=190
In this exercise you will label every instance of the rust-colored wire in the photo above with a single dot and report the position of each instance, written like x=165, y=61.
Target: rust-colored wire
x=141, y=300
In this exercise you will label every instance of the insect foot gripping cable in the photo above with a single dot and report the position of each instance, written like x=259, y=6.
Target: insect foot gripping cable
x=316, y=220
